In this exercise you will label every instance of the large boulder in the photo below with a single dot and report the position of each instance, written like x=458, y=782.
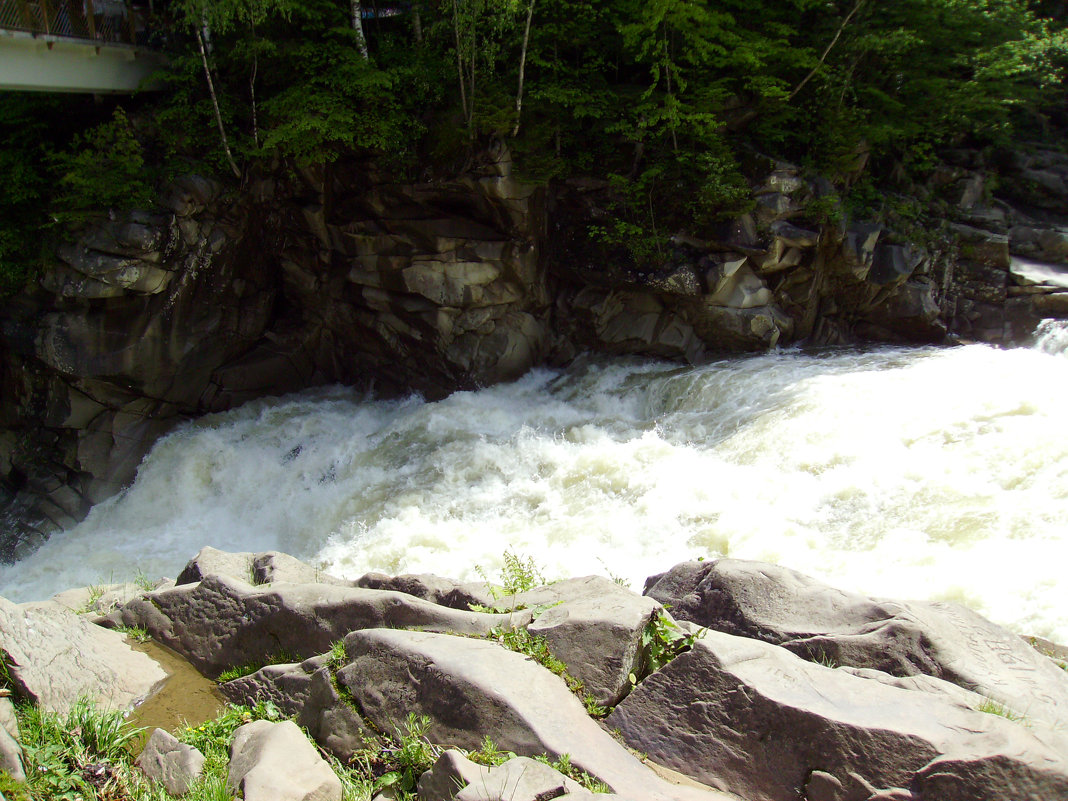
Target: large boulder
x=595, y=627
x=55, y=657
x=286, y=685
x=472, y=689
x=222, y=622
x=275, y=762
x=948, y=641
x=750, y=716
x=308, y=693
x=171, y=763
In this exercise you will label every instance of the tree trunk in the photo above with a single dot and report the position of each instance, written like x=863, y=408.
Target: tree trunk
x=356, y=11
x=417, y=25
x=460, y=60
x=522, y=69
x=215, y=105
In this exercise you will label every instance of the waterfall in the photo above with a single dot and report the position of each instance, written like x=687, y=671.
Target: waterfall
x=1051, y=336
x=914, y=473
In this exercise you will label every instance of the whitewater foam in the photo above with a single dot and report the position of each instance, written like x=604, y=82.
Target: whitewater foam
x=919, y=473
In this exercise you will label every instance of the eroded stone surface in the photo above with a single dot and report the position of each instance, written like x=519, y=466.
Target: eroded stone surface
x=750, y=716
x=944, y=640
x=223, y=622
x=473, y=688
x=54, y=657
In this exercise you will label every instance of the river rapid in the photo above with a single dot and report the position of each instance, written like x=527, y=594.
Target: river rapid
x=910, y=473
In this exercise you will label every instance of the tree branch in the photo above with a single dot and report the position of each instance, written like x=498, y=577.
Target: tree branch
x=826, y=52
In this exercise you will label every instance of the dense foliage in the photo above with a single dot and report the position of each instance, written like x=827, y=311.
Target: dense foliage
x=662, y=98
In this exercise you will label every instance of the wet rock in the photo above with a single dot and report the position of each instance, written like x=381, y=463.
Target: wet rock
x=54, y=657
x=171, y=763
x=1029, y=272
x=944, y=640
x=474, y=688
x=223, y=621
x=275, y=762
x=634, y=322
x=910, y=313
x=752, y=717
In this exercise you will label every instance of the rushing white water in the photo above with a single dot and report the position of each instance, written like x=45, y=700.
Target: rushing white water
x=921, y=473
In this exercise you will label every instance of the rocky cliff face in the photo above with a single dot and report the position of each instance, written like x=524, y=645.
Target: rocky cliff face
x=342, y=275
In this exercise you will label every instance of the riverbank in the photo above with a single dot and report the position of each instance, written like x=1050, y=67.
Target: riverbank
x=770, y=685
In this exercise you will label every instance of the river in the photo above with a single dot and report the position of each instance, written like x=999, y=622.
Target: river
x=936, y=473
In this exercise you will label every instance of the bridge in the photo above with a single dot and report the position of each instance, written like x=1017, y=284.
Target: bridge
x=98, y=46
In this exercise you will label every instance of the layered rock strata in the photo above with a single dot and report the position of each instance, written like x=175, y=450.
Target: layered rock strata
x=343, y=274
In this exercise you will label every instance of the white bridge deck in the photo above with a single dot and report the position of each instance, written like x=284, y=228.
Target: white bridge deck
x=75, y=46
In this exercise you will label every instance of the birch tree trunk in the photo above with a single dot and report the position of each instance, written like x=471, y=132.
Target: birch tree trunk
x=215, y=105
x=356, y=11
x=522, y=69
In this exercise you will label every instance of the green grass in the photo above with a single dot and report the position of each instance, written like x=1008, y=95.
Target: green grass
x=59, y=749
x=663, y=639
x=136, y=633
x=518, y=575
x=86, y=755
x=247, y=669
x=993, y=707
x=564, y=766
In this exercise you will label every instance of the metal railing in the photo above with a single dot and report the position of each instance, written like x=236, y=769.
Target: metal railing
x=110, y=21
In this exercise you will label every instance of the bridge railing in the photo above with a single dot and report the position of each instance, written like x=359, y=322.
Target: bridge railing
x=110, y=21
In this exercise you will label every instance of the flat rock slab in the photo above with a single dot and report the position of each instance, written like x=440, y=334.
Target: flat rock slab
x=171, y=763
x=54, y=657
x=222, y=621
x=473, y=688
x=753, y=717
x=948, y=641
x=275, y=762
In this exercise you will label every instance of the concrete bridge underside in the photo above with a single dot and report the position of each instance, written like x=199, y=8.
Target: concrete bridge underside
x=42, y=63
